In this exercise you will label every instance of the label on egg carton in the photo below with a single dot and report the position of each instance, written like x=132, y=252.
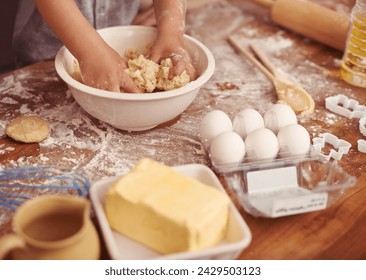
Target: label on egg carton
x=276, y=193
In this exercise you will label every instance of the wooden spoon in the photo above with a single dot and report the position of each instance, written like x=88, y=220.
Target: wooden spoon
x=295, y=96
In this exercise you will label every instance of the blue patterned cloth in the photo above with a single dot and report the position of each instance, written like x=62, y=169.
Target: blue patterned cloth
x=33, y=40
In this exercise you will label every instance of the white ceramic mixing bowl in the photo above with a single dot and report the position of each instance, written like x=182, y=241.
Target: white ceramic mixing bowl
x=135, y=112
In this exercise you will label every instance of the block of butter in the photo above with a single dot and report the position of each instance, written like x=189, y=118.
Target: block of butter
x=165, y=210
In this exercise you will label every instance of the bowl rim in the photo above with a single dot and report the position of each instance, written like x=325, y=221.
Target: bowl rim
x=191, y=86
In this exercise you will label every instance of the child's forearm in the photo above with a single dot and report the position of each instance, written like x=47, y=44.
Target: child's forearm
x=70, y=26
x=170, y=17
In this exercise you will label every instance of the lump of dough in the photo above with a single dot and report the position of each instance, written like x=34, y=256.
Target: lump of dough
x=143, y=73
x=164, y=83
x=149, y=76
x=28, y=129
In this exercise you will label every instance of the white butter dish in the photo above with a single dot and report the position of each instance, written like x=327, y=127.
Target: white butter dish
x=120, y=247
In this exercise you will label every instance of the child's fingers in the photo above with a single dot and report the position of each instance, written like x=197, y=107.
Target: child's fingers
x=127, y=85
x=177, y=69
x=114, y=87
x=180, y=66
x=191, y=71
x=155, y=57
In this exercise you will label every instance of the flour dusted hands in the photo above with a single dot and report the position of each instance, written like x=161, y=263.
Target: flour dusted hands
x=105, y=69
x=100, y=65
x=176, y=51
x=170, y=18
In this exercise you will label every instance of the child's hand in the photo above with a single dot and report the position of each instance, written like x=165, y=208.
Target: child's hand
x=105, y=70
x=170, y=17
x=167, y=47
x=100, y=65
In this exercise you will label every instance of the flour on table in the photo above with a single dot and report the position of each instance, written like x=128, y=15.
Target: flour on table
x=101, y=151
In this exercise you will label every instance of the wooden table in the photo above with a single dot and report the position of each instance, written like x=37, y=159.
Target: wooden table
x=78, y=140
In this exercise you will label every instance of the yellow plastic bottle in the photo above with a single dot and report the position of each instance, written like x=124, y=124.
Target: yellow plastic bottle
x=353, y=69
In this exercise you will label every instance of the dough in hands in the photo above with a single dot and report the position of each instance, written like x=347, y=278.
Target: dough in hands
x=150, y=76
x=164, y=83
x=143, y=73
x=28, y=129
x=147, y=75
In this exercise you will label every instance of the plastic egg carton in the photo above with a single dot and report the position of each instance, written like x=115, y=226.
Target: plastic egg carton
x=270, y=164
x=286, y=185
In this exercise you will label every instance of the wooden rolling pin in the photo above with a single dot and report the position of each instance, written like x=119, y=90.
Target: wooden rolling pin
x=311, y=20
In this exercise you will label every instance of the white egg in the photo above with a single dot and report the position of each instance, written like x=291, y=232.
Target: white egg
x=261, y=144
x=247, y=121
x=294, y=140
x=214, y=123
x=227, y=148
x=278, y=116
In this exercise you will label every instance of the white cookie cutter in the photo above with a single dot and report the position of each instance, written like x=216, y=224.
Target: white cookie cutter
x=361, y=145
x=342, y=146
x=342, y=105
x=362, y=126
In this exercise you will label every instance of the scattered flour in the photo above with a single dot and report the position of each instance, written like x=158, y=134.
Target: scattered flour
x=78, y=140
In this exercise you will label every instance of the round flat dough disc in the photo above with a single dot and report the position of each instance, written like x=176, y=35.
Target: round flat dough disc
x=28, y=129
